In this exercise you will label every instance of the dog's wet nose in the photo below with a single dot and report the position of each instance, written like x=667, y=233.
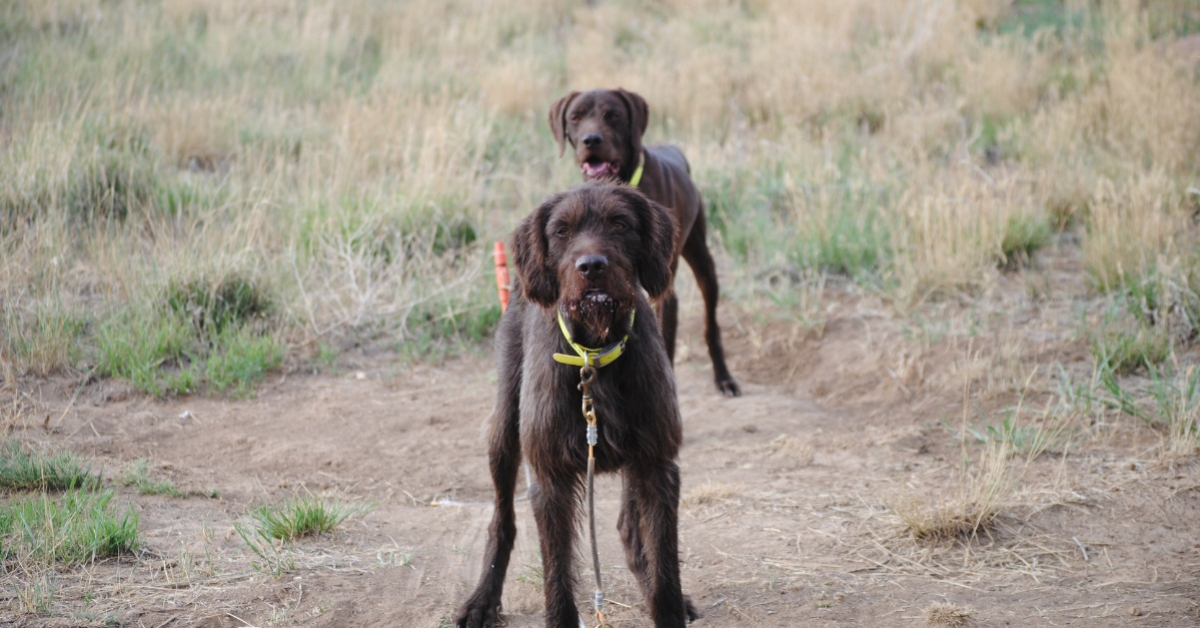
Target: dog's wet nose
x=591, y=266
x=591, y=140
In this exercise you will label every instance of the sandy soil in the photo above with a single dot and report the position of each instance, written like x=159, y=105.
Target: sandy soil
x=789, y=490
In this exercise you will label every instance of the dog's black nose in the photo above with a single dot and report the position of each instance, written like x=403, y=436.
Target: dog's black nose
x=591, y=266
x=591, y=140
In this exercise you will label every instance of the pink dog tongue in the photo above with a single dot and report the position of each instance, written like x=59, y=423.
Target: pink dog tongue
x=598, y=169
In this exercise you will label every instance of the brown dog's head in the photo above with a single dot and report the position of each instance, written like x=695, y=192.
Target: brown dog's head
x=605, y=128
x=586, y=251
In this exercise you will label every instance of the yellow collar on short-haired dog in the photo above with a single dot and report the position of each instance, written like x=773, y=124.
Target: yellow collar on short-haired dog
x=637, y=174
x=588, y=356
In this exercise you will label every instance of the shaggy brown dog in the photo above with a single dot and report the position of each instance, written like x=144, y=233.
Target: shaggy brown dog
x=586, y=254
x=605, y=128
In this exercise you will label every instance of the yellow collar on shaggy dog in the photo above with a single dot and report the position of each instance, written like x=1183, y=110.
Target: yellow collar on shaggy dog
x=588, y=356
x=637, y=174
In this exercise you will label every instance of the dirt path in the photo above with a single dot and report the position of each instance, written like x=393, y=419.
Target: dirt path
x=786, y=521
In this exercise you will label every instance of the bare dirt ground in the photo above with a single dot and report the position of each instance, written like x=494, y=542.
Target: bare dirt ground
x=787, y=518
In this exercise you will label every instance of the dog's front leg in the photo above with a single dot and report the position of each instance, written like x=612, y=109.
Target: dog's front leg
x=482, y=609
x=554, y=500
x=656, y=488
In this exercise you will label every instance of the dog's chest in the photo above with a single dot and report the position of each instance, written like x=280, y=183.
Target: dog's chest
x=553, y=424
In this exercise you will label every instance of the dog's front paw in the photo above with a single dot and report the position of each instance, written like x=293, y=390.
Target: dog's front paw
x=728, y=386
x=478, y=615
x=692, y=613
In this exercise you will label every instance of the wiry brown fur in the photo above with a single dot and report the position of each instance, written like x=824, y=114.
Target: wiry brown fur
x=606, y=127
x=538, y=404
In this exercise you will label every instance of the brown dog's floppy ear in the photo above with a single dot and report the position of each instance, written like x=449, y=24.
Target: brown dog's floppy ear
x=639, y=111
x=558, y=120
x=657, y=226
x=539, y=282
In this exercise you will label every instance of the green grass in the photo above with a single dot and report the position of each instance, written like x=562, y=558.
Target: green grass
x=1024, y=236
x=137, y=345
x=1029, y=17
x=834, y=224
x=240, y=359
x=45, y=340
x=1170, y=402
x=1018, y=439
x=452, y=323
x=271, y=526
x=855, y=243
x=25, y=469
x=303, y=516
x=1166, y=299
x=137, y=475
x=219, y=337
x=1126, y=348
x=75, y=527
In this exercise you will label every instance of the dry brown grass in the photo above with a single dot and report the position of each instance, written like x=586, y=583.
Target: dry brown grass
x=321, y=146
x=710, y=492
x=947, y=614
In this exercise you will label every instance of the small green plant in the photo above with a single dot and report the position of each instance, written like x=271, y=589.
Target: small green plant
x=276, y=560
x=1020, y=439
x=240, y=358
x=23, y=468
x=76, y=527
x=138, y=344
x=109, y=186
x=1171, y=403
x=1125, y=348
x=1024, y=236
x=1167, y=300
x=36, y=597
x=1177, y=401
x=302, y=516
x=137, y=475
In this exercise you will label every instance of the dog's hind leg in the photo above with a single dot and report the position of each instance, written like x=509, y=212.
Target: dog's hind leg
x=695, y=251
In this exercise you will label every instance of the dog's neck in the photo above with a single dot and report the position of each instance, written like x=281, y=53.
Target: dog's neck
x=584, y=355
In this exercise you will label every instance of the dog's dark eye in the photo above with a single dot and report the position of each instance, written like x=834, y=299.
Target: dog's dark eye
x=575, y=116
x=562, y=231
x=619, y=225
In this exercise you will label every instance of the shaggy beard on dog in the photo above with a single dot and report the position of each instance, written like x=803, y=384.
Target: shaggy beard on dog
x=598, y=313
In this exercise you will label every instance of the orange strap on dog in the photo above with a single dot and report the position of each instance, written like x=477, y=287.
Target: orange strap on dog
x=502, y=285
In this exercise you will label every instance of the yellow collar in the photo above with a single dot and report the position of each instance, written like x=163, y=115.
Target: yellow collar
x=637, y=174
x=588, y=356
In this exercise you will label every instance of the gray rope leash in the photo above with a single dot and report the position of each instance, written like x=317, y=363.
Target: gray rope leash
x=587, y=375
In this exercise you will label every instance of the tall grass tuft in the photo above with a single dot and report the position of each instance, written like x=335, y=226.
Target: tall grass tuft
x=23, y=468
x=76, y=527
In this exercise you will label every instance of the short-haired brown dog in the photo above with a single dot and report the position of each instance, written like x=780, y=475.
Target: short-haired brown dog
x=605, y=128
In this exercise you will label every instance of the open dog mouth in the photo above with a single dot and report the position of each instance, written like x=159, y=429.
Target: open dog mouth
x=596, y=169
x=596, y=310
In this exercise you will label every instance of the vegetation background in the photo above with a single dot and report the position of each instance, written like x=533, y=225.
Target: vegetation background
x=194, y=189
x=196, y=193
